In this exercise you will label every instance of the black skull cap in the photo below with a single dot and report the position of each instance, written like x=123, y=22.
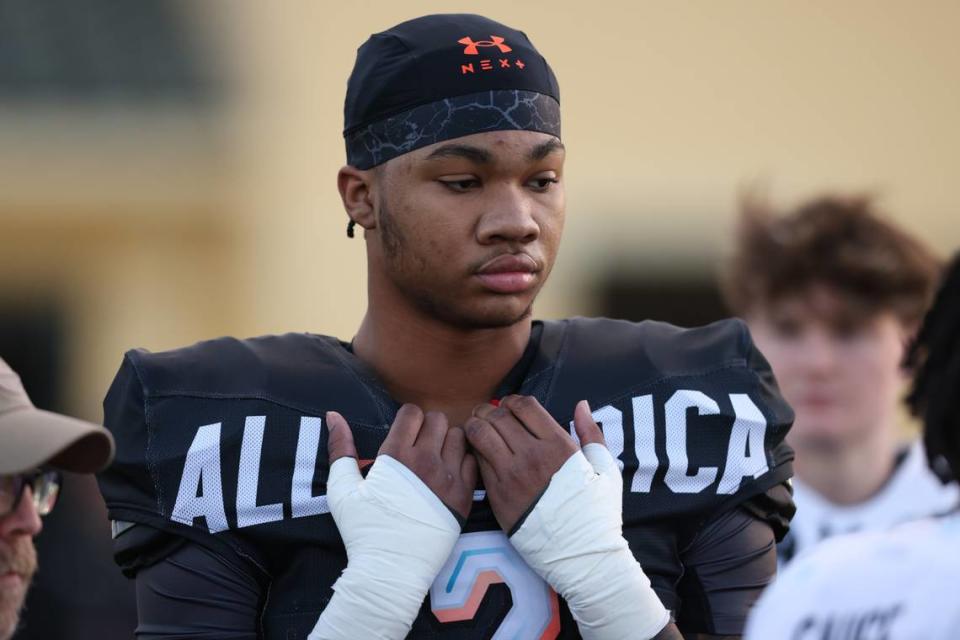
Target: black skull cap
x=440, y=77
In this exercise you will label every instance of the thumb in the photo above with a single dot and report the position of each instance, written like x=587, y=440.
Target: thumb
x=344, y=475
x=587, y=429
x=601, y=459
x=340, y=440
x=592, y=444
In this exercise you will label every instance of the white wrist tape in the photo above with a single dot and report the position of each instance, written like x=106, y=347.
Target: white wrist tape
x=573, y=538
x=398, y=534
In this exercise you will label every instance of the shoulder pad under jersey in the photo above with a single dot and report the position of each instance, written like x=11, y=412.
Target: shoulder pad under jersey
x=232, y=430
x=299, y=370
x=693, y=415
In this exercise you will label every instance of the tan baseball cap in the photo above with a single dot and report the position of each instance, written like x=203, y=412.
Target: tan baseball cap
x=31, y=437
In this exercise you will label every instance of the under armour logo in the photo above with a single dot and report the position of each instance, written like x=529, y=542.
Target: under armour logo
x=470, y=47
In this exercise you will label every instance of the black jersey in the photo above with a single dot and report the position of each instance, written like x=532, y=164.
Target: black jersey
x=224, y=443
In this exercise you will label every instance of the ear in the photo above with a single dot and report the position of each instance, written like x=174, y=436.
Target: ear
x=356, y=192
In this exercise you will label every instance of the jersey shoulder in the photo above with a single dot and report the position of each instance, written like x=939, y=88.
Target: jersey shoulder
x=605, y=358
x=300, y=371
x=694, y=415
x=227, y=365
x=926, y=546
x=861, y=576
x=210, y=415
x=665, y=348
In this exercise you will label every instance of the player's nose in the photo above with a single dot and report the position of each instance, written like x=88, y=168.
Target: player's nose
x=509, y=218
x=817, y=352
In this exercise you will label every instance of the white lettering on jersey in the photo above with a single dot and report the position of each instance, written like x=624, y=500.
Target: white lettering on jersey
x=643, y=444
x=745, y=453
x=484, y=558
x=302, y=501
x=249, y=513
x=201, y=492
x=676, y=413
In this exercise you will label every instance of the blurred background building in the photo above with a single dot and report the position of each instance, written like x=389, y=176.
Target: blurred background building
x=167, y=174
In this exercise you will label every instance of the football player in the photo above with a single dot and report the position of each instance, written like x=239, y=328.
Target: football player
x=832, y=293
x=899, y=583
x=632, y=474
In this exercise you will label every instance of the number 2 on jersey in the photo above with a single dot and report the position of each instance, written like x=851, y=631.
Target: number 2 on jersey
x=484, y=558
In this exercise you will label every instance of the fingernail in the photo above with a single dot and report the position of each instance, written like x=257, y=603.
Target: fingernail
x=586, y=405
x=330, y=423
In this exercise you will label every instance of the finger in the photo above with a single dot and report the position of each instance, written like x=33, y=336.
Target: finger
x=344, y=475
x=454, y=448
x=483, y=410
x=591, y=441
x=433, y=431
x=340, y=437
x=468, y=471
x=486, y=441
x=342, y=479
x=403, y=432
x=533, y=416
x=510, y=429
x=587, y=429
x=487, y=472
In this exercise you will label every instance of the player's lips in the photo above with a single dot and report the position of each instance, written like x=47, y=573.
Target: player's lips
x=509, y=273
x=817, y=400
x=10, y=580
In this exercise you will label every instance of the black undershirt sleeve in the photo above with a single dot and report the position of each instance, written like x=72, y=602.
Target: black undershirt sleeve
x=727, y=564
x=193, y=593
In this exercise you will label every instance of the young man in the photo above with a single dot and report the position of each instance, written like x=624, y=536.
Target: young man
x=900, y=583
x=832, y=294
x=34, y=446
x=234, y=454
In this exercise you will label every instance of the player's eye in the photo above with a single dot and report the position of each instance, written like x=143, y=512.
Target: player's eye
x=460, y=184
x=787, y=328
x=542, y=183
x=847, y=330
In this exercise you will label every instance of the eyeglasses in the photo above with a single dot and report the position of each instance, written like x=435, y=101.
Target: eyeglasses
x=44, y=487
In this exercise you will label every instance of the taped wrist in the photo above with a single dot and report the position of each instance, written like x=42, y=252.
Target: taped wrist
x=398, y=534
x=573, y=538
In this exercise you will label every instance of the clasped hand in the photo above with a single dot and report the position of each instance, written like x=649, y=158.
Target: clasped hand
x=518, y=445
x=560, y=507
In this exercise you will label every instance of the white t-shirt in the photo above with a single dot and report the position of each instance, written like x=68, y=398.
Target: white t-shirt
x=913, y=492
x=893, y=585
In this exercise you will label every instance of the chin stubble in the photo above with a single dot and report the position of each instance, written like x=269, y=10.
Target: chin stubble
x=20, y=558
x=394, y=245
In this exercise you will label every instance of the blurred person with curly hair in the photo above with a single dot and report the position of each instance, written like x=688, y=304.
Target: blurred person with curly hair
x=833, y=294
x=895, y=584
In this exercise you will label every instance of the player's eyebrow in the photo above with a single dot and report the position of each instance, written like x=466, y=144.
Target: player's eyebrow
x=471, y=153
x=544, y=149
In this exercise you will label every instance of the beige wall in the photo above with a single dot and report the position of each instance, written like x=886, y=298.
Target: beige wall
x=163, y=226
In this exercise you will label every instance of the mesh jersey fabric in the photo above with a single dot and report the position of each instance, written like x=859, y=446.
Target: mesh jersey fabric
x=221, y=444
